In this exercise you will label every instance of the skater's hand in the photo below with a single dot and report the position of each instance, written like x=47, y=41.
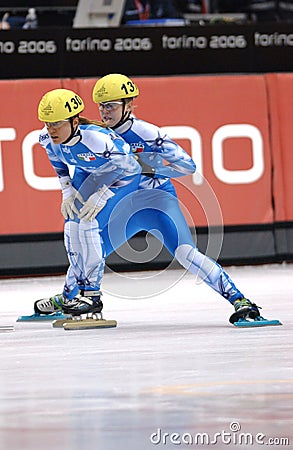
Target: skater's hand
x=95, y=203
x=69, y=195
x=146, y=169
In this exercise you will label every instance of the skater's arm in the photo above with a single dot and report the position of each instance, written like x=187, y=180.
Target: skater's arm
x=158, y=154
x=114, y=161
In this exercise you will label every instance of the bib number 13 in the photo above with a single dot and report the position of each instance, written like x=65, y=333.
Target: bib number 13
x=128, y=87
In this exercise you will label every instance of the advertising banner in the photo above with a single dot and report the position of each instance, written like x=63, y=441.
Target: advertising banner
x=221, y=121
x=29, y=190
x=281, y=101
x=146, y=51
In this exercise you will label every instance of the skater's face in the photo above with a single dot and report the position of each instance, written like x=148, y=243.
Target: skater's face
x=111, y=112
x=60, y=131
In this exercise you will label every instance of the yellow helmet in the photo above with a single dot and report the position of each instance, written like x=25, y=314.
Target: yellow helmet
x=113, y=87
x=59, y=104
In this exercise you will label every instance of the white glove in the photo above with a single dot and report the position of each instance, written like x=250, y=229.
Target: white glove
x=69, y=194
x=95, y=203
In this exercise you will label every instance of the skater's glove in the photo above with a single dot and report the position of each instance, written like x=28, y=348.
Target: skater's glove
x=146, y=170
x=69, y=195
x=95, y=203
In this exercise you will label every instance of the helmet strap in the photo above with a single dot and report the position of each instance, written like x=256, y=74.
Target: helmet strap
x=124, y=116
x=75, y=135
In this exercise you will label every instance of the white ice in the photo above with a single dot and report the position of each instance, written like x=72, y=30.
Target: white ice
x=173, y=374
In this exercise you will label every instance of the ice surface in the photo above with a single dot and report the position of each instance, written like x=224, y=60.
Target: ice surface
x=173, y=365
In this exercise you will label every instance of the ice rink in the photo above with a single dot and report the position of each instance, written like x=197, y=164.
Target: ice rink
x=173, y=374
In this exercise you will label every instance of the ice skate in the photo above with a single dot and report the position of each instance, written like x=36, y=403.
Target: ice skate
x=88, y=304
x=247, y=315
x=46, y=309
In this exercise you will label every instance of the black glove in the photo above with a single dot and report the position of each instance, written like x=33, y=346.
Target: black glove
x=146, y=170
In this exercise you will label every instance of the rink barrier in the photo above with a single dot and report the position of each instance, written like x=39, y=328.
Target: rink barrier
x=237, y=129
x=25, y=255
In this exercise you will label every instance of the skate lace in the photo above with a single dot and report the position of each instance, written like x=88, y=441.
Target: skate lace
x=57, y=300
x=244, y=302
x=46, y=303
x=83, y=302
x=241, y=303
x=75, y=302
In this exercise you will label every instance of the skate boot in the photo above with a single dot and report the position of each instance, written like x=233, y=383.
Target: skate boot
x=49, y=305
x=244, y=308
x=46, y=309
x=88, y=302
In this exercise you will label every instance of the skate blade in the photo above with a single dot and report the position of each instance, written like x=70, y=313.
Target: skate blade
x=88, y=324
x=41, y=317
x=6, y=328
x=257, y=322
x=59, y=322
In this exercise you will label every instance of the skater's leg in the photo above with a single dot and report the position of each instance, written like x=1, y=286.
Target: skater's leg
x=82, y=242
x=170, y=226
x=84, y=249
x=53, y=304
x=210, y=272
x=121, y=225
x=207, y=270
x=87, y=259
x=85, y=254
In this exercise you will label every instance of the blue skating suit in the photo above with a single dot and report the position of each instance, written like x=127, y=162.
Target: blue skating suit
x=100, y=157
x=155, y=207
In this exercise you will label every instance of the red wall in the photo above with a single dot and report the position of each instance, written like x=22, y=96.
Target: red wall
x=237, y=129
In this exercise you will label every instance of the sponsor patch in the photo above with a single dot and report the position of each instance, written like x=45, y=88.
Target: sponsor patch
x=86, y=157
x=43, y=137
x=137, y=147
